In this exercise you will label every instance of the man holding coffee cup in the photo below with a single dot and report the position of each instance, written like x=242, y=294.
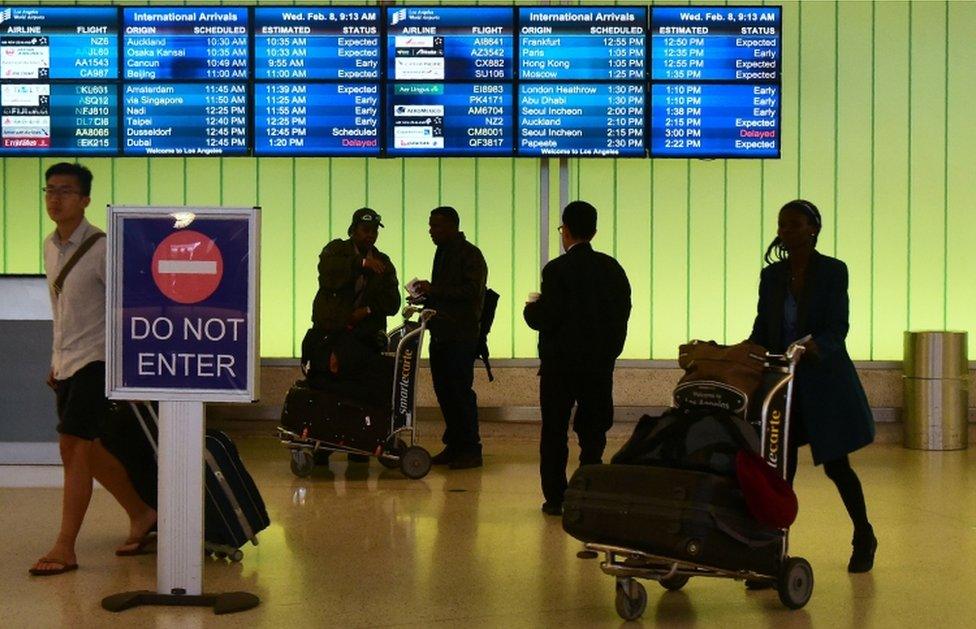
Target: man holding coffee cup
x=581, y=314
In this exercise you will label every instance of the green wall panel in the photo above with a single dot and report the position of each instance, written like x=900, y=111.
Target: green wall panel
x=926, y=175
x=877, y=124
x=851, y=206
x=891, y=149
x=23, y=212
x=633, y=240
x=669, y=277
x=960, y=184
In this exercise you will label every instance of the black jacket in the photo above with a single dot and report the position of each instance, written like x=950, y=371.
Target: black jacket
x=340, y=265
x=583, y=311
x=834, y=409
x=457, y=291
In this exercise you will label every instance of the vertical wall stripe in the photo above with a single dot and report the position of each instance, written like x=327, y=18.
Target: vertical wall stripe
x=687, y=248
x=40, y=215
x=366, y=181
x=799, y=100
x=908, y=248
x=403, y=212
x=616, y=223
x=477, y=200
x=6, y=233
x=294, y=253
x=650, y=270
x=945, y=182
x=836, y=116
x=512, y=301
x=762, y=208
x=725, y=250
x=874, y=124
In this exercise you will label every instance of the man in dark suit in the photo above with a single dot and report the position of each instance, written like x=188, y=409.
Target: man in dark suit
x=581, y=315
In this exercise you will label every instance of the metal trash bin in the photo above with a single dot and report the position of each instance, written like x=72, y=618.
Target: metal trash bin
x=936, y=391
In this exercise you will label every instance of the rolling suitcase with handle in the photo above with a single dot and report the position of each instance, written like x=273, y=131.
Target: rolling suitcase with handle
x=234, y=512
x=684, y=514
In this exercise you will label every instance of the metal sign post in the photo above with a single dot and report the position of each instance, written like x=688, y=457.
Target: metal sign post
x=181, y=328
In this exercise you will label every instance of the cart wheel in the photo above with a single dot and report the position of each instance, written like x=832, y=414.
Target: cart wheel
x=237, y=555
x=220, y=555
x=795, y=582
x=208, y=552
x=321, y=457
x=674, y=583
x=302, y=463
x=415, y=462
x=397, y=448
x=631, y=600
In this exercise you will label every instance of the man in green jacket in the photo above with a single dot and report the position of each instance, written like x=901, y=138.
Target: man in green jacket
x=358, y=286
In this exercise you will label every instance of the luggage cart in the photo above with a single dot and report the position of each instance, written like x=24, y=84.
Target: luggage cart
x=794, y=577
x=390, y=439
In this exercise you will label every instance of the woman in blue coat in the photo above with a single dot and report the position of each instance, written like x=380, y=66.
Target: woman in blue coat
x=802, y=292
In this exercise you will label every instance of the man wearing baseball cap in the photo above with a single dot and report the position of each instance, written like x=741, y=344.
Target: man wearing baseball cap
x=358, y=286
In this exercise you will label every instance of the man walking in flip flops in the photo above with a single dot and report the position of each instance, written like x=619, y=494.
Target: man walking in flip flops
x=74, y=260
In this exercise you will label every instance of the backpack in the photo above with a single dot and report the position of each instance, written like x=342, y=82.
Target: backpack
x=488, y=308
x=702, y=439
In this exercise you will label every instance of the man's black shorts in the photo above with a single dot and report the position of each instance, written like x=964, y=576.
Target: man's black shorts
x=82, y=404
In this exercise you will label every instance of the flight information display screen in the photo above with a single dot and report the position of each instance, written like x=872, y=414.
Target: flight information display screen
x=59, y=43
x=587, y=44
x=715, y=81
x=166, y=47
x=60, y=118
x=185, y=119
x=54, y=62
x=449, y=43
x=336, y=79
x=602, y=112
x=325, y=43
x=449, y=119
x=316, y=119
x=581, y=119
x=178, y=43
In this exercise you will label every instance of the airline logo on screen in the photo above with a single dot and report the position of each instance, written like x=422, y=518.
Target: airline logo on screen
x=5, y=15
x=398, y=16
x=25, y=58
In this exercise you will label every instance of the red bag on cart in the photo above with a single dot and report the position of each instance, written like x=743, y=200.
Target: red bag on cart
x=769, y=498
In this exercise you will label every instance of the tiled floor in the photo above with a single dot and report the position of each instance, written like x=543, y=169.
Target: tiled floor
x=361, y=546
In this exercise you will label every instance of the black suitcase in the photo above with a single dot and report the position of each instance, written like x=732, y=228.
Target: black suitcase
x=234, y=512
x=686, y=515
x=124, y=436
x=325, y=416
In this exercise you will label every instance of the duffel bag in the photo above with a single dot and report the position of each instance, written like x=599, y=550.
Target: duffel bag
x=737, y=367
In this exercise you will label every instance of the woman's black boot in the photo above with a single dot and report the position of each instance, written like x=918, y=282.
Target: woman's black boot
x=862, y=559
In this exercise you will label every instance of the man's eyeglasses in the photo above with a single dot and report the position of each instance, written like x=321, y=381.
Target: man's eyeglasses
x=50, y=191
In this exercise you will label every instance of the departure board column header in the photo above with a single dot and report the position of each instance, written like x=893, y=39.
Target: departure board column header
x=602, y=112
x=715, y=81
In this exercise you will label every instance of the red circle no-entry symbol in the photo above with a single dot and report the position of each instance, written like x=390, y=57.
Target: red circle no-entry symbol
x=187, y=266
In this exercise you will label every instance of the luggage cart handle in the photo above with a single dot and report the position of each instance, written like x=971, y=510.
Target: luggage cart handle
x=410, y=310
x=794, y=352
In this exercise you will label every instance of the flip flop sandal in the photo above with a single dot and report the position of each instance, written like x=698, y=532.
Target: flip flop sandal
x=142, y=546
x=49, y=572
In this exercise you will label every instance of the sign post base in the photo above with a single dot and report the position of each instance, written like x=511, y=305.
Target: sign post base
x=226, y=603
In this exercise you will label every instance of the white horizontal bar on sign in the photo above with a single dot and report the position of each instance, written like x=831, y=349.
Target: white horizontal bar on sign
x=196, y=267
